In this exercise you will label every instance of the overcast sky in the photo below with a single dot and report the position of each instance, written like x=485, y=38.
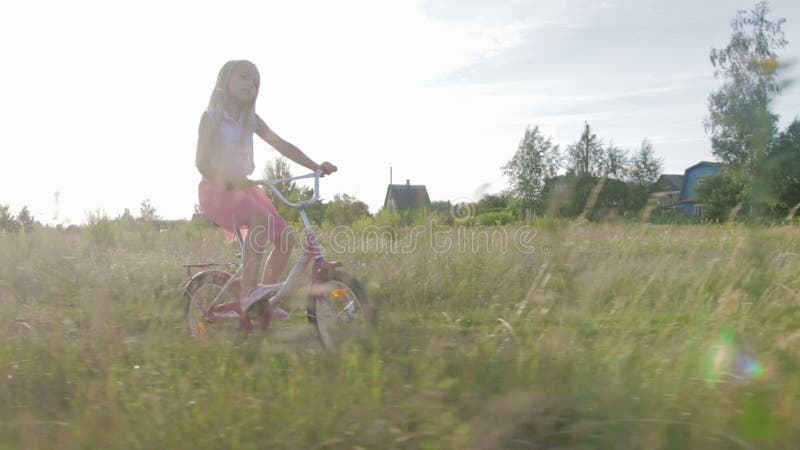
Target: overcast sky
x=102, y=99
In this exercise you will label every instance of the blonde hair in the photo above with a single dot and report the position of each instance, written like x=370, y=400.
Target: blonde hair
x=247, y=116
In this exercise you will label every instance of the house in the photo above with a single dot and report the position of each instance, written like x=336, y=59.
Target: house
x=693, y=177
x=667, y=189
x=406, y=197
x=668, y=182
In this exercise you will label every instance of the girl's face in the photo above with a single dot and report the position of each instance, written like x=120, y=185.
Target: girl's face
x=243, y=84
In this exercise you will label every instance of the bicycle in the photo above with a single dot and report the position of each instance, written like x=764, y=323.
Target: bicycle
x=336, y=302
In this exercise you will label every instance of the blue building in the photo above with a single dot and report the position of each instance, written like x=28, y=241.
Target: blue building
x=692, y=177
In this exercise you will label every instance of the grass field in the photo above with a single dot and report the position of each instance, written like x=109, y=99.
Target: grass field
x=592, y=336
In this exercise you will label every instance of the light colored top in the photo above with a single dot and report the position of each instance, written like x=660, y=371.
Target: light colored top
x=236, y=152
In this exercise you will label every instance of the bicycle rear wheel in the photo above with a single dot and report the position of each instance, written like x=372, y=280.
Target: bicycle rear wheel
x=201, y=293
x=338, y=309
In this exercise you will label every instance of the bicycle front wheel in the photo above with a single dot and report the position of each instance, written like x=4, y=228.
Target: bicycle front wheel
x=338, y=309
x=204, y=294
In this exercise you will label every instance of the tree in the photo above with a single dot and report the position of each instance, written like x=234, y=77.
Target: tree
x=586, y=155
x=25, y=219
x=593, y=197
x=278, y=169
x=740, y=122
x=720, y=194
x=779, y=189
x=345, y=209
x=7, y=221
x=535, y=160
x=126, y=216
x=644, y=168
x=492, y=203
x=147, y=212
x=441, y=205
x=614, y=162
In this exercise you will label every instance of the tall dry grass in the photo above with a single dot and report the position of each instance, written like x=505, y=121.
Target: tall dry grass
x=602, y=336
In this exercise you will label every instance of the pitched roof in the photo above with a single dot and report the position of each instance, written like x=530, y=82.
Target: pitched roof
x=668, y=182
x=403, y=197
x=703, y=163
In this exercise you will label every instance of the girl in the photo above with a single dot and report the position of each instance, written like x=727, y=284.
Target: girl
x=225, y=159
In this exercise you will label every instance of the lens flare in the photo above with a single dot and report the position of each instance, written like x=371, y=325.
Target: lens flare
x=731, y=359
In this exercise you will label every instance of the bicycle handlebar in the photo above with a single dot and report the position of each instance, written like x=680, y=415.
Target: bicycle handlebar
x=272, y=185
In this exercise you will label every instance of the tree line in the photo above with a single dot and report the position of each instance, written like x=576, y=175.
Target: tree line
x=343, y=209
x=11, y=223
x=545, y=179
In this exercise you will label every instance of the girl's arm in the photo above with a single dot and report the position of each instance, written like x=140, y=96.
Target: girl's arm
x=288, y=150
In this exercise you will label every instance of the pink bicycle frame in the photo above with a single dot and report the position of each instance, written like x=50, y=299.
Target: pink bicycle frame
x=278, y=292
x=311, y=247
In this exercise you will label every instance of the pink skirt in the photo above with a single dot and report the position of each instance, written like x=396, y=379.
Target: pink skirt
x=236, y=208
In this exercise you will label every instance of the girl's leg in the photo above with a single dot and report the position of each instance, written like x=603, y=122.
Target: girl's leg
x=255, y=245
x=279, y=258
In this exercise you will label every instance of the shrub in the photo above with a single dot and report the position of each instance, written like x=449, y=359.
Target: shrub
x=494, y=218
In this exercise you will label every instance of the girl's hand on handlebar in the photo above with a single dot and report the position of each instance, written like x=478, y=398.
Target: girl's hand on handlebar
x=327, y=168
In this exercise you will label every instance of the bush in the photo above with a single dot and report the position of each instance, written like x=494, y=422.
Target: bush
x=672, y=217
x=100, y=227
x=494, y=218
x=572, y=195
x=719, y=194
